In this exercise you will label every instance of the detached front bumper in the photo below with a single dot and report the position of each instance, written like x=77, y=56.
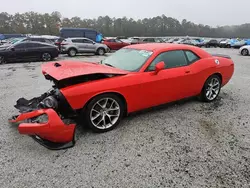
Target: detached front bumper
x=53, y=134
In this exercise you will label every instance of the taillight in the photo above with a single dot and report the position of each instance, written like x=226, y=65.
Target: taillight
x=63, y=44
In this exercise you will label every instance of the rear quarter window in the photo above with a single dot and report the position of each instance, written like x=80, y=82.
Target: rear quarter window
x=191, y=57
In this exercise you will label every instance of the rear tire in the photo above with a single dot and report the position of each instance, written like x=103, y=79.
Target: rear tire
x=46, y=56
x=104, y=112
x=245, y=52
x=109, y=50
x=211, y=89
x=72, y=52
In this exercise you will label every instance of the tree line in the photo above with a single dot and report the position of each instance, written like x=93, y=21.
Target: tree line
x=36, y=23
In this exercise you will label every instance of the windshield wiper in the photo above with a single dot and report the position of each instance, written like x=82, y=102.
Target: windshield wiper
x=108, y=64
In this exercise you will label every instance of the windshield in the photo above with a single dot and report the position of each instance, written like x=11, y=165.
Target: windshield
x=128, y=59
x=14, y=41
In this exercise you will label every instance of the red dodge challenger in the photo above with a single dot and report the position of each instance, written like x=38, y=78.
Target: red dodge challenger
x=132, y=79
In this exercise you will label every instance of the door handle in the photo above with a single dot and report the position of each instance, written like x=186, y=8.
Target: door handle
x=187, y=71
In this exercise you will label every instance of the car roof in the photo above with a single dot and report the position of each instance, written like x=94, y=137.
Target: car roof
x=35, y=42
x=78, y=38
x=165, y=47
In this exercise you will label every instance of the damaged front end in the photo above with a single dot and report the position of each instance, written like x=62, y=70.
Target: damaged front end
x=48, y=119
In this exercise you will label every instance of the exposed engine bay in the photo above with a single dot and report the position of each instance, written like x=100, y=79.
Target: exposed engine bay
x=54, y=98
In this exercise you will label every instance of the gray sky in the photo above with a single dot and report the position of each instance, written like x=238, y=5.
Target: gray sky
x=211, y=12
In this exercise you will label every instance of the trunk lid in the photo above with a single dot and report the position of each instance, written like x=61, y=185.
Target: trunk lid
x=221, y=55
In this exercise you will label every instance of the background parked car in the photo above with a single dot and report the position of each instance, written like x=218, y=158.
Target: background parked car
x=225, y=43
x=211, y=43
x=5, y=37
x=115, y=44
x=191, y=42
x=238, y=44
x=151, y=40
x=180, y=41
x=73, y=46
x=58, y=42
x=80, y=33
x=245, y=50
x=172, y=40
x=33, y=38
x=28, y=51
x=134, y=40
x=247, y=41
x=11, y=41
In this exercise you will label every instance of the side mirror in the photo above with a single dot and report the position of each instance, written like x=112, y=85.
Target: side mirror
x=159, y=66
x=93, y=42
x=12, y=49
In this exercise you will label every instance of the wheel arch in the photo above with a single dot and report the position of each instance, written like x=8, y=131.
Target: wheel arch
x=244, y=49
x=109, y=92
x=100, y=47
x=70, y=48
x=217, y=73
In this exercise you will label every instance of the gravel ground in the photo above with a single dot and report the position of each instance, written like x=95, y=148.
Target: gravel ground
x=185, y=144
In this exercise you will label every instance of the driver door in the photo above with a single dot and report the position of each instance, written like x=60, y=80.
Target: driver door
x=90, y=45
x=18, y=52
x=168, y=85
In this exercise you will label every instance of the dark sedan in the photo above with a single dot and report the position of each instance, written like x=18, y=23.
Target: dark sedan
x=28, y=51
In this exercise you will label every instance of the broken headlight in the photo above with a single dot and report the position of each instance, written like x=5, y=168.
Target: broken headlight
x=49, y=102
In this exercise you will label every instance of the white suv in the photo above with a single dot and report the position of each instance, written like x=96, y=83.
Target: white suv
x=73, y=46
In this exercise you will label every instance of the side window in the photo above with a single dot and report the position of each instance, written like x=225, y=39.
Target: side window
x=48, y=41
x=118, y=41
x=151, y=40
x=191, y=57
x=77, y=40
x=171, y=59
x=87, y=41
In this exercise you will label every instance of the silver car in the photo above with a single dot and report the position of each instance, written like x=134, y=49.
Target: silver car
x=245, y=50
x=73, y=46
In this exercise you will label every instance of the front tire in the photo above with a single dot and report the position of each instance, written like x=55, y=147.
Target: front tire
x=101, y=51
x=104, y=112
x=72, y=52
x=245, y=52
x=211, y=89
x=2, y=60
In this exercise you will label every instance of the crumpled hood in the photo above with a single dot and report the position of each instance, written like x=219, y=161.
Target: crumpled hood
x=61, y=70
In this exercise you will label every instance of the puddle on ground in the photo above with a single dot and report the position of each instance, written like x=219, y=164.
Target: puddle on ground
x=208, y=128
